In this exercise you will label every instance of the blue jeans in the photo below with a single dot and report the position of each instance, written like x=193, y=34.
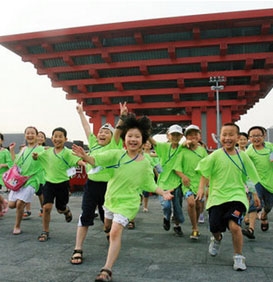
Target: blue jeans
x=176, y=203
x=265, y=196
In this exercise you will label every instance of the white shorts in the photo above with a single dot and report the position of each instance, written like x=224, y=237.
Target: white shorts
x=24, y=194
x=118, y=218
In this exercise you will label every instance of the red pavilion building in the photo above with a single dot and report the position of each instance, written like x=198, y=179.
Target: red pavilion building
x=161, y=67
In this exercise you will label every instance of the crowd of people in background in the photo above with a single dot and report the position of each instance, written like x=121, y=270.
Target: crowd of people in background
x=234, y=183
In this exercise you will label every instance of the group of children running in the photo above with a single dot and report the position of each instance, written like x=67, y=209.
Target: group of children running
x=234, y=180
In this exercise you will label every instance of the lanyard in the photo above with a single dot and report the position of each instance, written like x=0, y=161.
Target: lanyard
x=119, y=162
x=96, y=147
x=243, y=169
x=60, y=157
x=261, y=153
x=196, y=153
x=170, y=155
x=24, y=158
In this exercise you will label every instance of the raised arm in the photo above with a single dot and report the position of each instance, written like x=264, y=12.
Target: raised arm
x=11, y=150
x=84, y=121
x=123, y=114
x=79, y=151
x=152, y=141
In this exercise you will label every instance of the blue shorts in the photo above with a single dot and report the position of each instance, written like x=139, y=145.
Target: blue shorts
x=219, y=216
x=252, y=207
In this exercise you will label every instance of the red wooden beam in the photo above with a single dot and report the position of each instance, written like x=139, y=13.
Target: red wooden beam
x=157, y=62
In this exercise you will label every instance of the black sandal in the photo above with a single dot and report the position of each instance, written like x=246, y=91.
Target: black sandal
x=131, y=225
x=43, y=237
x=107, y=231
x=249, y=233
x=105, y=275
x=77, y=255
x=264, y=226
x=68, y=215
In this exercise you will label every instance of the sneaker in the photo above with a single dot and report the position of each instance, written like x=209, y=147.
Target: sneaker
x=166, y=224
x=214, y=246
x=249, y=233
x=26, y=214
x=178, y=231
x=201, y=218
x=239, y=262
x=195, y=235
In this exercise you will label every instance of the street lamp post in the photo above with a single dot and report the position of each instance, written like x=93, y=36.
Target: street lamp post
x=217, y=88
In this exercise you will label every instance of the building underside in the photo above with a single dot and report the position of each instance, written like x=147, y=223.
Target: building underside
x=161, y=67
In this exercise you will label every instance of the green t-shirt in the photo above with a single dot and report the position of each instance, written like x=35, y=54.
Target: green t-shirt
x=168, y=179
x=5, y=158
x=263, y=164
x=187, y=162
x=29, y=167
x=152, y=160
x=56, y=165
x=95, y=148
x=226, y=177
x=127, y=182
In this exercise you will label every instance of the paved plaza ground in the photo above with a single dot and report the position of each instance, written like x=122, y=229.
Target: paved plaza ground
x=149, y=253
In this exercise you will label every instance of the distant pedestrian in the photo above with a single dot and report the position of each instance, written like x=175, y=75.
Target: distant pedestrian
x=5, y=161
x=227, y=170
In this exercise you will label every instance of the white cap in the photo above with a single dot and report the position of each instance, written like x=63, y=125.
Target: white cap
x=175, y=128
x=108, y=126
x=191, y=127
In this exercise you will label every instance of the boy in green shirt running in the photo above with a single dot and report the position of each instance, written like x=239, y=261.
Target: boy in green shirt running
x=59, y=164
x=168, y=179
x=260, y=152
x=227, y=170
x=192, y=153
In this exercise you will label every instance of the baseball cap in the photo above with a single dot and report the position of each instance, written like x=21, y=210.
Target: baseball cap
x=108, y=126
x=175, y=128
x=190, y=128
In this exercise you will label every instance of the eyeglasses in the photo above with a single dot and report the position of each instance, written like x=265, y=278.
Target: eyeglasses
x=256, y=136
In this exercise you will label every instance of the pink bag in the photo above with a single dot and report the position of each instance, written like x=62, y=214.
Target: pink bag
x=13, y=179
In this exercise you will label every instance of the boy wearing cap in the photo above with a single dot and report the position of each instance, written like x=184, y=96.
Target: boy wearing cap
x=168, y=179
x=95, y=188
x=190, y=156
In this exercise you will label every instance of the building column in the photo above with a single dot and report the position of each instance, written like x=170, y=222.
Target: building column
x=196, y=116
x=211, y=127
x=226, y=115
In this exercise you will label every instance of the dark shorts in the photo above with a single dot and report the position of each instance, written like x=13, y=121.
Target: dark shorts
x=40, y=190
x=58, y=192
x=219, y=216
x=93, y=196
x=146, y=194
